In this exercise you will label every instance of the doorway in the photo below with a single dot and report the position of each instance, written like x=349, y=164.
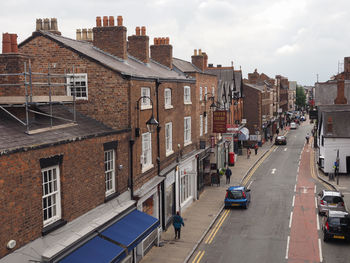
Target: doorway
x=348, y=164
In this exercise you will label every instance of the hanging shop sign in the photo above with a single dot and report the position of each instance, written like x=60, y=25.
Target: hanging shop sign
x=219, y=121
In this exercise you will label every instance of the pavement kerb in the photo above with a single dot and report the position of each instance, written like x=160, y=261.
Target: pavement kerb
x=320, y=178
x=204, y=234
x=222, y=208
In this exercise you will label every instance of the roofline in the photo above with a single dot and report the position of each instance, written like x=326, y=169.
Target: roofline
x=122, y=74
x=74, y=139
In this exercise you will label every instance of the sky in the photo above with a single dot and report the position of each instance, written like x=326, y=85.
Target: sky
x=304, y=40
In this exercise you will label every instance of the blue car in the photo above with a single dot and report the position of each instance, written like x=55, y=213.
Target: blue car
x=237, y=196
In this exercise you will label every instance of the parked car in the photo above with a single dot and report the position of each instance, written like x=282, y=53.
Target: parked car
x=237, y=196
x=336, y=225
x=293, y=125
x=330, y=200
x=281, y=140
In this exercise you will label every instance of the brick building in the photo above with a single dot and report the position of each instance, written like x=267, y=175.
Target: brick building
x=116, y=84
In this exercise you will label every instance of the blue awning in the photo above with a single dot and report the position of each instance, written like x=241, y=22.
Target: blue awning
x=131, y=229
x=111, y=244
x=96, y=250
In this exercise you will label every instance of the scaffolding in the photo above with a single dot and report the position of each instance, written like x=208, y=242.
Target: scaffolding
x=31, y=89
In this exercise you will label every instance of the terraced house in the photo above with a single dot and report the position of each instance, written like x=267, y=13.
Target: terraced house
x=99, y=143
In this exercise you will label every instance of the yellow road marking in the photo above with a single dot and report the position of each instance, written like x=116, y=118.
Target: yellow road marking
x=195, y=259
x=200, y=257
x=256, y=166
x=313, y=173
x=217, y=225
x=217, y=229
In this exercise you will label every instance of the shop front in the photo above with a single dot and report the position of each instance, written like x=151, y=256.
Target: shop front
x=203, y=169
x=187, y=178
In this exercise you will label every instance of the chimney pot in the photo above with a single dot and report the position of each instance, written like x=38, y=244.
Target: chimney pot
x=195, y=52
x=6, y=43
x=39, y=24
x=167, y=41
x=143, y=31
x=78, y=34
x=105, y=21
x=111, y=21
x=54, y=24
x=120, y=21
x=199, y=52
x=138, y=31
x=163, y=40
x=46, y=24
x=14, y=47
x=98, y=21
x=90, y=34
x=84, y=34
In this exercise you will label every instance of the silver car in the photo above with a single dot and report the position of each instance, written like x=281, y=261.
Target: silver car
x=330, y=200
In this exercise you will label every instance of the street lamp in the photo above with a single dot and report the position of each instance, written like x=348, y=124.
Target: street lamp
x=151, y=124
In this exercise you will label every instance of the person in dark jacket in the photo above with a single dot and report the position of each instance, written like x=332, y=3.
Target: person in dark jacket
x=228, y=174
x=177, y=222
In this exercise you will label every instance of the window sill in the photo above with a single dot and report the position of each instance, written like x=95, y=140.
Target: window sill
x=188, y=102
x=187, y=143
x=169, y=153
x=146, y=168
x=52, y=227
x=168, y=107
x=146, y=107
x=111, y=196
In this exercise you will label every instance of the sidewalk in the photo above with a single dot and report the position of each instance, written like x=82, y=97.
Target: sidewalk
x=201, y=215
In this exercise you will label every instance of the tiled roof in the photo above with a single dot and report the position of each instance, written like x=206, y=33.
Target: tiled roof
x=13, y=137
x=130, y=67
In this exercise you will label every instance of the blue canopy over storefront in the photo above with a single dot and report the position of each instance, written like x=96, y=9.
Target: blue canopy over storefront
x=113, y=243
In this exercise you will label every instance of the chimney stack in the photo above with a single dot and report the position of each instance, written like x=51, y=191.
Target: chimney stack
x=340, y=99
x=6, y=43
x=138, y=45
x=90, y=35
x=46, y=24
x=14, y=47
x=78, y=34
x=162, y=52
x=198, y=60
x=110, y=38
x=347, y=68
x=54, y=24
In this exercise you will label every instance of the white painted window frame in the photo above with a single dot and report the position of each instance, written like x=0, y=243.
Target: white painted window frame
x=168, y=98
x=145, y=102
x=201, y=125
x=109, y=162
x=187, y=131
x=187, y=95
x=146, y=156
x=76, y=77
x=55, y=193
x=169, y=138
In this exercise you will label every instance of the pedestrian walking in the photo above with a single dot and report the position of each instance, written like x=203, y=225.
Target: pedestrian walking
x=271, y=138
x=256, y=148
x=228, y=174
x=248, y=153
x=177, y=222
x=307, y=138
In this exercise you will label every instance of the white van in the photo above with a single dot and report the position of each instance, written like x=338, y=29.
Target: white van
x=293, y=125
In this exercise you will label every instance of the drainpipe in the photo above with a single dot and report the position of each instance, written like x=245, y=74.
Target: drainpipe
x=131, y=179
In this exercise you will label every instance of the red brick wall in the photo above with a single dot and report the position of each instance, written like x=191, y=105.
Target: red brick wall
x=138, y=46
x=107, y=90
x=82, y=185
x=163, y=54
x=252, y=108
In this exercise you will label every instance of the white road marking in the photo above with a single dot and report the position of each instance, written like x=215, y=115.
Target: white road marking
x=273, y=171
x=250, y=184
x=295, y=188
x=285, y=149
x=320, y=249
x=342, y=187
x=287, y=250
x=315, y=189
x=290, y=219
x=318, y=222
x=316, y=202
x=293, y=201
x=298, y=170
x=304, y=190
x=275, y=149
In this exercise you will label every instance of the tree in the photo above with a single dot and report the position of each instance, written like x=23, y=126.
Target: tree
x=300, y=97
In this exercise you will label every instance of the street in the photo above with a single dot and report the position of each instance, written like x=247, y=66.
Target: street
x=281, y=223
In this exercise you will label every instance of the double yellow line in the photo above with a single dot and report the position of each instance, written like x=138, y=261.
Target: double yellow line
x=199, y=256
x=312, y=169
x=217, y=227
x=256, y=166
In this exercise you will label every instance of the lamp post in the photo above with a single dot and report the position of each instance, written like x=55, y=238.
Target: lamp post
x=151, y=124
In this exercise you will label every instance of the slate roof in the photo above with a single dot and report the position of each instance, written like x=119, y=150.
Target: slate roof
x=255, y=86
x=13, y=137
x=184, y=66
x=326, y=92
x=340, y=115
x=130, y=67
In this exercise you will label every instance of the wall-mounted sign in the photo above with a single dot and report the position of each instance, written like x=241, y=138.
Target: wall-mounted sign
x=219, y=121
